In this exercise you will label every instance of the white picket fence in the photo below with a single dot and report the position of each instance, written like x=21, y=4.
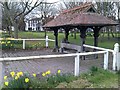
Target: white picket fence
x=116, y=59
x=44, y=39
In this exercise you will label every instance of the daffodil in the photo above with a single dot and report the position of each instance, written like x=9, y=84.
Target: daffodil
x=16, y=77
x=6, y=83
x=5, y=77
x=58, y=71
x=48, y=72
x=8, y=42
x=2, y=42
x=12, y=73
x=43, y=74
x=34, y=75
x=19, y=74
x=26, y=80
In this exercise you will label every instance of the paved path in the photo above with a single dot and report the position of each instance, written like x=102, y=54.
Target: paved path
x=66, y=64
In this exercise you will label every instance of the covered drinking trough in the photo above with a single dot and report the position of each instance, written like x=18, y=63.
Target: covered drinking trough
x=81, y=17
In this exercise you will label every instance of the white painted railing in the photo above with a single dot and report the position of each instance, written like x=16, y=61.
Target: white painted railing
x=115, y=53
x=76, y=55
x=24, y=41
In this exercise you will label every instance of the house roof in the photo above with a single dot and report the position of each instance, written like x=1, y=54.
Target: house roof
x=80, y=16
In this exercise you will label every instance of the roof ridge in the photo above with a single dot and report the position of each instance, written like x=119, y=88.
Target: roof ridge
x=77, y=7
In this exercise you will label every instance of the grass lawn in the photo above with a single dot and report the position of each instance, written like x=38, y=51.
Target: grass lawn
x=97, y=78
x=103, y=41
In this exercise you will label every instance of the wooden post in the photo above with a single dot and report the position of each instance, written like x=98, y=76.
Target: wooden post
x=82, y=36
x=56, y=40
x=96, y=35
x=23, y=43
x=46, y=41
x=76, y=72
x=66, y=35
x=67, y=29
x=106, y=60
x=116, y=60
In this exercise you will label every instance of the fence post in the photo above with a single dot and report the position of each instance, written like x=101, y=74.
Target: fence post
x=1, y=73
x=106, y=60
x=118, y=63
x=76, y=71
x=46, y=41
x=115, y=57
x=23, y=43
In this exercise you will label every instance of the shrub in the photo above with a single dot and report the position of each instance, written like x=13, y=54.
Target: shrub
x=6, y=44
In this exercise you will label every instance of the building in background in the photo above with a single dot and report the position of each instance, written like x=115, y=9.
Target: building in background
x=34, y=24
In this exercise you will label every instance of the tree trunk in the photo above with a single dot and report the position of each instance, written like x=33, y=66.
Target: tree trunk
x=8, y=29
x=15, y=30
x=108, y=33
x=45, y=33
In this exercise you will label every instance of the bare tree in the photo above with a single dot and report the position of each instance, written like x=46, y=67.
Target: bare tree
x=16, y=11
x=47, y=12
x=107, y=9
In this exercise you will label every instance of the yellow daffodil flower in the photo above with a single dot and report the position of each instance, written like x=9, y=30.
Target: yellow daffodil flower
x=26, y=80
x=12, y=73
x=6, y=83
x=58, y=71
x=34, y=75
x=2, y=42
x=43, y=74
x=8, y=42
x=48, y=72
x=5, y=77
x=21, y=73
x=16, y=77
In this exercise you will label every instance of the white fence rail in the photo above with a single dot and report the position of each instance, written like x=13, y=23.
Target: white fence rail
x=44, y=39
x=76, y=55
x=115, y=53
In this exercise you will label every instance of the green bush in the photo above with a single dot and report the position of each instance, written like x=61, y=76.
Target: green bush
x=6, y=36
x=10, y=44
x=7, y=44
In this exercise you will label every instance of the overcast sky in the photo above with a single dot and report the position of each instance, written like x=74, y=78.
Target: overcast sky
x=53, y=0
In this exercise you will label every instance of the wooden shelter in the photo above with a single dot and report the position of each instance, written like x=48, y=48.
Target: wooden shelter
x=81, y=17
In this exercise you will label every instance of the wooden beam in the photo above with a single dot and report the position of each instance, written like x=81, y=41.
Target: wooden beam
x=56, y=40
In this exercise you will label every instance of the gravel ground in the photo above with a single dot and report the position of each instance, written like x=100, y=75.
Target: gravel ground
x=66, y=64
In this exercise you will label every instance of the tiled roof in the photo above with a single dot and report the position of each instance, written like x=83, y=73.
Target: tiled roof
x=80, y=16
x=84, y=7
